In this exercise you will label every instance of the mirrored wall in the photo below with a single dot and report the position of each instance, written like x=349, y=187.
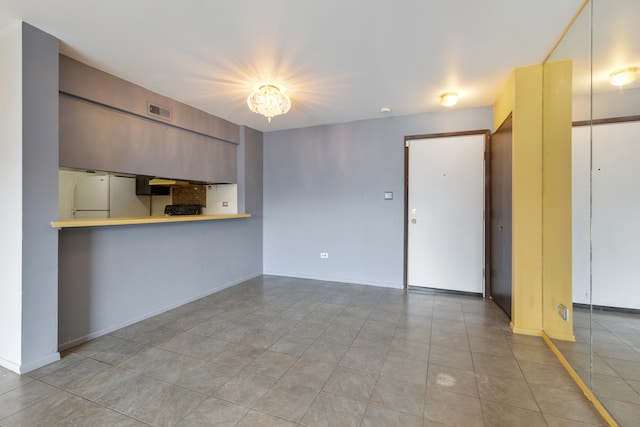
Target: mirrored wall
x=603, y=40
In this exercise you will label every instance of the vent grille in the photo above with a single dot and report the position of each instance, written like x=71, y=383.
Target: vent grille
x=157, y=111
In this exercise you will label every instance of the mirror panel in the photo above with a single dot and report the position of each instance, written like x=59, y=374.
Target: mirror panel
x=576, y=47
x=615, y=198
x=606, y=205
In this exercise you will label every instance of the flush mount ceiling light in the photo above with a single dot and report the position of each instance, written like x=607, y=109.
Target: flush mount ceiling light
x=449, y=99
x=269, y=100
x=623, y=76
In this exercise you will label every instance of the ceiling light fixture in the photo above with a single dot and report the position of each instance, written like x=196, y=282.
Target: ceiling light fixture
x=449, y=99
x=623, y=76
x=269, y=100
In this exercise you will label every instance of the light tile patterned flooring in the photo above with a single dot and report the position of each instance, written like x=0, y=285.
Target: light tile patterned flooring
x=616, y=360
x=277, y=351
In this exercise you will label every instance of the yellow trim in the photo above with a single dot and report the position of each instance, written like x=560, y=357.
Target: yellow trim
x=587, y=392
x=561, y=337
x=584, y=4
x=141, y=220
x=525, y=331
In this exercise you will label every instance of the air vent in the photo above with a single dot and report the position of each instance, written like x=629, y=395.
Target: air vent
x=157, y=111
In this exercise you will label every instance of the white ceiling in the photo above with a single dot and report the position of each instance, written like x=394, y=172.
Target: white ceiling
x=340, y=60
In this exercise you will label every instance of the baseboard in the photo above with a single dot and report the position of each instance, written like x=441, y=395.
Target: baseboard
x=13, y=367
x=524, y=331
x=96, y=334
x=336, y=279
x=31, y=366
x=444, y=291
x=607, y=308
x=561, y=337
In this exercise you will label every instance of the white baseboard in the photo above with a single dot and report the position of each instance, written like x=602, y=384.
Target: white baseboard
x=31, y=366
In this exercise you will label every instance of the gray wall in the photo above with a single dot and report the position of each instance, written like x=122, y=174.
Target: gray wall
x=114, y=276
x=323, y=192
x=29, y=265
x=621, y=102
x=253, y=172
x=39, y=197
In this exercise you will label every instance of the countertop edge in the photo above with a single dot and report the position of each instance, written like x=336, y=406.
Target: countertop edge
x=77, y=223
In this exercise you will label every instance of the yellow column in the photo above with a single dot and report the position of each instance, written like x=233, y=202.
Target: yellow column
x=541, y=191
x=527, y=201
x=556, y=200
x=522, y=97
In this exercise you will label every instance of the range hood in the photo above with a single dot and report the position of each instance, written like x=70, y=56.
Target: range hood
x=168, y=182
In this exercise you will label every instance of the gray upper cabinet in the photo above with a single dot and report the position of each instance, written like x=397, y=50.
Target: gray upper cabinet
x=105, y=124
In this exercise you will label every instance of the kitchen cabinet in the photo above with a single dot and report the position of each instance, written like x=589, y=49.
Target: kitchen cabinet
x=100, y=138
x=85, y=82
x=104, y=125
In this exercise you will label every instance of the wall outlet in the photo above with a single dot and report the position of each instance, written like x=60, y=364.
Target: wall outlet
x=563, y=311
x=324, y=255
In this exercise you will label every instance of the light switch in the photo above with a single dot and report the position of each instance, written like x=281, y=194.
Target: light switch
x=388, y=195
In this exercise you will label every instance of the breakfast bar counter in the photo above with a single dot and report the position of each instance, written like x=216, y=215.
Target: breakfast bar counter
x=105, y=222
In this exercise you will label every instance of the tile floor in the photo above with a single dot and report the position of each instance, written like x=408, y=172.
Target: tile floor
x=277, y=351
x=615, y=378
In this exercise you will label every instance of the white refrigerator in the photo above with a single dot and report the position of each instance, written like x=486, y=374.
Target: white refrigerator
x=91, y=197
x=106, y=196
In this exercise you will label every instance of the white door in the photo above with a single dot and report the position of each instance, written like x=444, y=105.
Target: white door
x=606, y=247
x=446, y=213
x=580, y=218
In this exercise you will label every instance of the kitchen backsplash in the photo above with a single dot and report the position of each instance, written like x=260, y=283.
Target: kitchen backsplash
x=189, y=195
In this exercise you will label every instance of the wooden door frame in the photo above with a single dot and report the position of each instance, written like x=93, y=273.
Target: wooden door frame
x=487, y=192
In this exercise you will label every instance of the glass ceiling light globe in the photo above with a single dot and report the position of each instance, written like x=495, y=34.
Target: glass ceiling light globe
x=624, y=76
x=269, y=100
x=449, y=99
